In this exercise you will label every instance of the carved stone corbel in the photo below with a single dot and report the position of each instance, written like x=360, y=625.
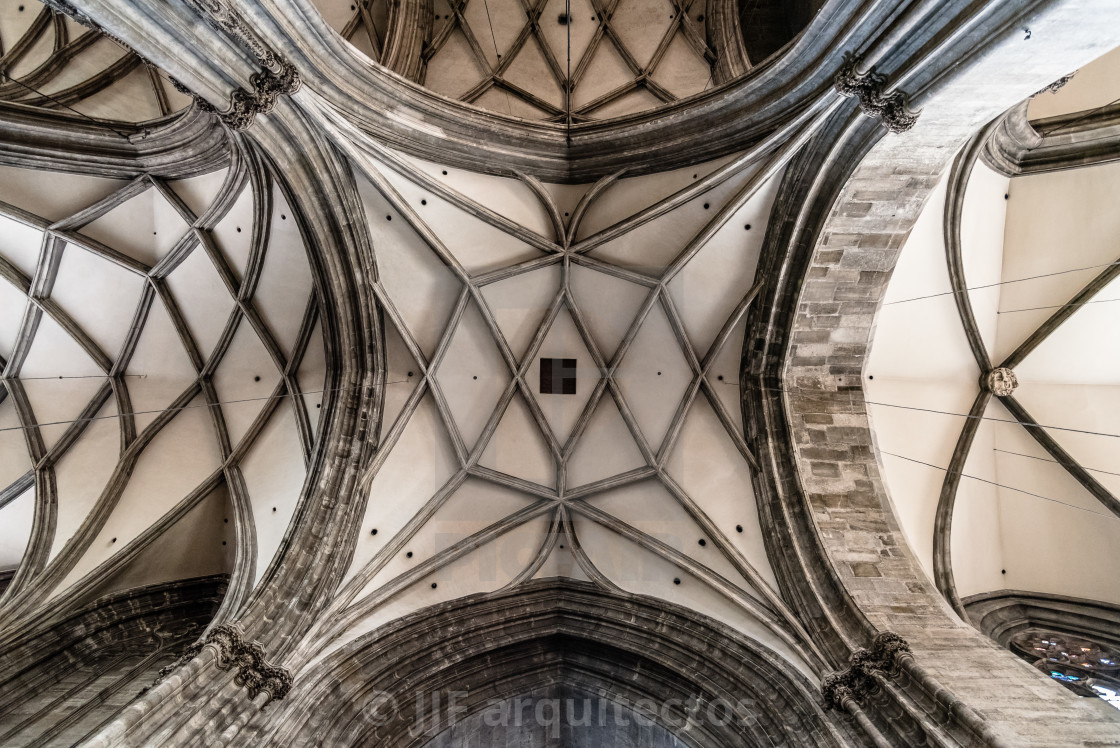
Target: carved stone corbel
x=865, y=668
x=244, y=105
x=253, y=672
x=277, y=75
x=868, y=87
x=268, y=85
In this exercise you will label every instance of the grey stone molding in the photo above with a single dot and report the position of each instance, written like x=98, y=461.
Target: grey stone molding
x=726, y=37
x=406, y=39
x=395, y=112
x=1005, y=614
x=959, y=175
x=1018, y=146
x=178, y=146
x=114, y=639
x=500, y=645
x=1011, y=138
x=1061, y=456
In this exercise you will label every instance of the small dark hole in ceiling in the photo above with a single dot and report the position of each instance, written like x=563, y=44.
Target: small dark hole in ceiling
x=558, y=376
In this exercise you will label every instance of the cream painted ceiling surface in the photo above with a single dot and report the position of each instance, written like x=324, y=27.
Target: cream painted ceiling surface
x=1029, y=245
x=163, y=364
x=641, y=479
x=49, y=60
x=518, y=57
x=363, y=23
x=161, y=357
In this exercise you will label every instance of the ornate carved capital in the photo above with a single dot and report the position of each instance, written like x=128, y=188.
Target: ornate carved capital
x=244, y=105
x=868, y=87
x=277, y=75
x=253, y=672
x=847, y=685
x=865, y=668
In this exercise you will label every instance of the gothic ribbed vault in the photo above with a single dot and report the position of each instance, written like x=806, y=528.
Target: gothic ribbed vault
x=372, y=366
